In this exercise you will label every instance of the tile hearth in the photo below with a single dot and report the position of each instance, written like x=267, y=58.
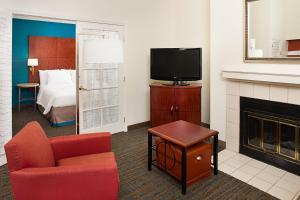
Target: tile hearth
x=275, y=181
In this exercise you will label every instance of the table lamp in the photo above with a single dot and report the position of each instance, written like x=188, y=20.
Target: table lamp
x=32, y=62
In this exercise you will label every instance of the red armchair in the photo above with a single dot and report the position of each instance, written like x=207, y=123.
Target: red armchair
x=78, y=167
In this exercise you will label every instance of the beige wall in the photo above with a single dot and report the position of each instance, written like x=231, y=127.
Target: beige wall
x=292, y=19
x=149, y=23
x=260, y=26
x=192, y=29
x=267, y=22
x=273, y=19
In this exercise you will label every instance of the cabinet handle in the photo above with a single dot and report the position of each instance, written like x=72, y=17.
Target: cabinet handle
x=199, y=158
x=172, y=108
x=176, y=108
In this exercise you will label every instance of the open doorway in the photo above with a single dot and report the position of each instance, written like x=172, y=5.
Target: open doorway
x=111, y=111
x=44, y=75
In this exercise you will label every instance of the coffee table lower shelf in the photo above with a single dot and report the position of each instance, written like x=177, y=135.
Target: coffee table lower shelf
x=152, y=162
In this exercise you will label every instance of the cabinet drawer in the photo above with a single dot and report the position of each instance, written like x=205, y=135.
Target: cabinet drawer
x=198, y=160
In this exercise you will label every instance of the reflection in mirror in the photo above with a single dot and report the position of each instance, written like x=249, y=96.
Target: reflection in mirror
x=273, y=28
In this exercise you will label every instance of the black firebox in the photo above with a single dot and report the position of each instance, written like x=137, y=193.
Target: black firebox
x=270, y=132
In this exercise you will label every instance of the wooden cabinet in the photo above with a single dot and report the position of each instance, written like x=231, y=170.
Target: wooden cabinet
x=171, y=103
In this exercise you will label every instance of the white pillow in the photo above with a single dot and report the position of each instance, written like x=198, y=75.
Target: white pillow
x=72, y=74
x=43, y=74
x=59, y=77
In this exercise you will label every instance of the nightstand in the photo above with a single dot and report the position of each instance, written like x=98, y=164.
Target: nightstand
x=21, y=86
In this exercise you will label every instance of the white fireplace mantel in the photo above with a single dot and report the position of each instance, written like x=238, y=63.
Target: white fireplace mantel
x=256, y=73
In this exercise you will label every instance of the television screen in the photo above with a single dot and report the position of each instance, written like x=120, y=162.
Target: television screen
x=176, y=64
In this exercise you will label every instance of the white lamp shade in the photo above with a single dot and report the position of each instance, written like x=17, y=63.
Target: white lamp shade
x=98, y=51
x=32, y=62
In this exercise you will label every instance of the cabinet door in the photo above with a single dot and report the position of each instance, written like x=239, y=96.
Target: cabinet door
x=188, y=104
x=162, y=105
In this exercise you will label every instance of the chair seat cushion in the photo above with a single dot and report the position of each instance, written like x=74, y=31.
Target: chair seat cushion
x=107, y=158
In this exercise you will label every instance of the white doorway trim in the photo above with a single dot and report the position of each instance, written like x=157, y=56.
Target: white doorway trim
x=63, y=18
x=5, y=81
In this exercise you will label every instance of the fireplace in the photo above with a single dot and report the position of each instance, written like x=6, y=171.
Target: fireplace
x=270, y=132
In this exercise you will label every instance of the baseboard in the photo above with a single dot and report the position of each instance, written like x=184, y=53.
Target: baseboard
x=222, y=144
x=205, y=125
x=3, y=160
x=139, y=125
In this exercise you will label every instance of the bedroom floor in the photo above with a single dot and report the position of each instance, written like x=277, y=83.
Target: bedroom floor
x=27, y=114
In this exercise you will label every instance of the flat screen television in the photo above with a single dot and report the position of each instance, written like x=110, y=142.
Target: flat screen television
x=176, y=64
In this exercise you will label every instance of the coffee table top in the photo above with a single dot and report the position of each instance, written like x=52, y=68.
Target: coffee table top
x=182, y=133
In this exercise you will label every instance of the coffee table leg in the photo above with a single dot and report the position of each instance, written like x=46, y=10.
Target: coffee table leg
x=216, y=154
x=183, y=171
x=149, y=151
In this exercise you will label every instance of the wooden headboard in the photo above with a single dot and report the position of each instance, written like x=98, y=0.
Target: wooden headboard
x=52, y=53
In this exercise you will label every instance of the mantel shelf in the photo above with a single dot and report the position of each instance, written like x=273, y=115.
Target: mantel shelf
x=275, y=76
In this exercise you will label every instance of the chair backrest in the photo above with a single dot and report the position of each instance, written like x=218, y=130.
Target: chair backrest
x=29, y=148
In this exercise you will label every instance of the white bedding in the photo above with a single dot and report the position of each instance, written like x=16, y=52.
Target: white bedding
x=56, y=95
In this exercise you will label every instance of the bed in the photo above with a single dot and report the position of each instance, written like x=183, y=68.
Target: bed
x=57, y=96
x=56, y=75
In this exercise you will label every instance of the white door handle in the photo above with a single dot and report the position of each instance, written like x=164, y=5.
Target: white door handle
x=82, y=88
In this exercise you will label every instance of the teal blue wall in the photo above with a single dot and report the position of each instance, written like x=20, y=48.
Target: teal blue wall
x=22, y=29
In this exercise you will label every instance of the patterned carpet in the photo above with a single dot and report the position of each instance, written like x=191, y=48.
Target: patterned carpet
x=138, y=183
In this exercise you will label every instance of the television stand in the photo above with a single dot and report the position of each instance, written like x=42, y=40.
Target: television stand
x=172, y=103
x=177, y=83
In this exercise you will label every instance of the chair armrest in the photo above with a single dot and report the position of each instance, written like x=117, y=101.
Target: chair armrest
x=77, y=145
x=68, y=182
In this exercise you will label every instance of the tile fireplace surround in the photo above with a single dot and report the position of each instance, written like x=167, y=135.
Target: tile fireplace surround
x=284, y=88
x=236, y=88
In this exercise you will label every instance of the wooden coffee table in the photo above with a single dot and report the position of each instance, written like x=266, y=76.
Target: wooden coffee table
x=184, y=135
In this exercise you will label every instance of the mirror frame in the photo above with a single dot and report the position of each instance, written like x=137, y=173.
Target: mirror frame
x=261, y=59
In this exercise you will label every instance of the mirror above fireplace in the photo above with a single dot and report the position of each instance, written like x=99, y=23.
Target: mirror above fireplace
x=272, y=31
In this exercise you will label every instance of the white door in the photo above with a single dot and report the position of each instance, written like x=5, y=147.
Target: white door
x=101, y=86
x=5, y=81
